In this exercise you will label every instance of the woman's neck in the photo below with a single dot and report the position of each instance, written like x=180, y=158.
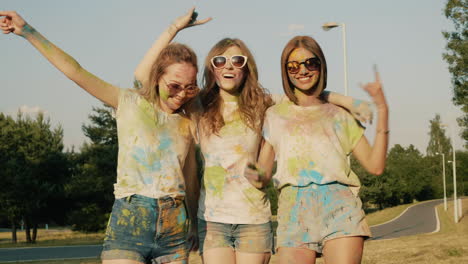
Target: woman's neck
x=228, y=97
x=307, y=99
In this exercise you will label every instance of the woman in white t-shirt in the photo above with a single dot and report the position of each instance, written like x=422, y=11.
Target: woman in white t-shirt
x=319, y=210
x=234, y=224
x=156, y=159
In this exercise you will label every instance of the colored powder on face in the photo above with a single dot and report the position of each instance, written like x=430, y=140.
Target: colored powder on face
x=163, y=93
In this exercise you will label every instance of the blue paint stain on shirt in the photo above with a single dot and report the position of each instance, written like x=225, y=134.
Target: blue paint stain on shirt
x=165, y=143
x=308, y=176
x=141, y=157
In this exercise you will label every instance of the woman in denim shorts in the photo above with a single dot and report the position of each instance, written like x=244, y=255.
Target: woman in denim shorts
x=319, y=210
x=148, y=223
x=233, y=214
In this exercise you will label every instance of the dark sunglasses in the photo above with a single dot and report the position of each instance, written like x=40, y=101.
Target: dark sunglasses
x=175, y=88
x=311, y=64
x=237, y=61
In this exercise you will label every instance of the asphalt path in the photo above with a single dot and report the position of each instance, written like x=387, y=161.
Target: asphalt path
x=49, y=253
x=417, y=219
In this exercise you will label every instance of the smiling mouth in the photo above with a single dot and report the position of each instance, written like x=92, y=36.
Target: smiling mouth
x=228, y=76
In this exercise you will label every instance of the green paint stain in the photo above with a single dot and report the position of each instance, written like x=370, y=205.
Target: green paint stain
x=163, y=93
x=214, y=180
x=282, y=109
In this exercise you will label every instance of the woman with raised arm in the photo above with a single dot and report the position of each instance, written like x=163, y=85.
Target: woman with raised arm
x=234, y=215
x=156, y=161
x=319, y=208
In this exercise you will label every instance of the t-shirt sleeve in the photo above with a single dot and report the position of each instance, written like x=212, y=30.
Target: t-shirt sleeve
x=267, y=129
x=126, y=97
x=277, y=98
x=351, y=133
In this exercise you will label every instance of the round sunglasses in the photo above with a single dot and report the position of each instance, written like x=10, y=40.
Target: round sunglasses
x=311, y=64
x=175, y=88
x=237, y=61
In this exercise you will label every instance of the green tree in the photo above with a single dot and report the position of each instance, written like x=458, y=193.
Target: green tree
x=90, y=189
x=10, y=207
x=35, y=169
x=457, y=57
x=438, y=141
x=407, y=177
x=462, y=172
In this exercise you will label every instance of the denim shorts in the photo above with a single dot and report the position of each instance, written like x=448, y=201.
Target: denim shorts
x=311, y=215
x=249, y=238
x=147, y=230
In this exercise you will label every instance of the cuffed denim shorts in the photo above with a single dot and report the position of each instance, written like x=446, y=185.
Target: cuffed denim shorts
x=249, y=238
x=311, y=215
x=147, y=230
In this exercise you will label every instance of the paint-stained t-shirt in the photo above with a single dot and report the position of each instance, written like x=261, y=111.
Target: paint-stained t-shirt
x=311, y=143
x=226, y=195
x=153, y=145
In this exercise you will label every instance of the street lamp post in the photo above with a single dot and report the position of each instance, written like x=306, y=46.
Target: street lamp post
x=443, y=178
x=328, y=26
x=454, y=170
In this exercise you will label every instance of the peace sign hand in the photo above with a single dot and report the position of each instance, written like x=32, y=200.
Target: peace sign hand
x=189, y=20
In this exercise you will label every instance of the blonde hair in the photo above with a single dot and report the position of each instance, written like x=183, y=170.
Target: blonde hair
x=173, y=53
x=253, y=98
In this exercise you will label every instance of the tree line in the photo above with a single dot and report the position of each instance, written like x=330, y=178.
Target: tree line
x=42, y=183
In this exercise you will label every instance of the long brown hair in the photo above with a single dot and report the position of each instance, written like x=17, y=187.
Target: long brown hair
x=253, y=98
x=172, y=53
x=311, y=45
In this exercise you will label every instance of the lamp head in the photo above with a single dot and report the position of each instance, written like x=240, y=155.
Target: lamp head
x=329, y=25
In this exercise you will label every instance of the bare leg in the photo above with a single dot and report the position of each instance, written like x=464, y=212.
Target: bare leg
x=296, y=256
x=219, y=255
x=344, y=250
x=252, y=258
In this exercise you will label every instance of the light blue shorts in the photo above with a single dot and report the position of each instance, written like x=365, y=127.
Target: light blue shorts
x=147, y=230
x=309, y=216
x=249, y=238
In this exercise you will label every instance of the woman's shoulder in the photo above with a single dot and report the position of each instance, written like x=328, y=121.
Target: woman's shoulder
x=129, y=94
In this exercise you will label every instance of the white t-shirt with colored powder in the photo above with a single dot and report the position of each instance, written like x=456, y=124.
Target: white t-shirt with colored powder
x=312, y=143
x=226, y=195
x=153, y=146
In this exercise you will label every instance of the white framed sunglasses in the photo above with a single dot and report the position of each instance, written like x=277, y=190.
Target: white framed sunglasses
x=237, y=61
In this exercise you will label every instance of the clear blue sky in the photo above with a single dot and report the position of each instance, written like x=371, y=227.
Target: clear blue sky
x=109, y=38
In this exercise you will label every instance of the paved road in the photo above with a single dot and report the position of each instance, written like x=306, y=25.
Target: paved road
x=418, y=219
x=49, y=253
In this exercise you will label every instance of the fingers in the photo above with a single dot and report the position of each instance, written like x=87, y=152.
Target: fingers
x=7, y=13
x=203, y=21
x=376, y=73
x=190, y=12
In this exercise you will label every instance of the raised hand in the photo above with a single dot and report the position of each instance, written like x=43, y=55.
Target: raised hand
x=11, y=22
x=375, y=90
x=189, y=20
